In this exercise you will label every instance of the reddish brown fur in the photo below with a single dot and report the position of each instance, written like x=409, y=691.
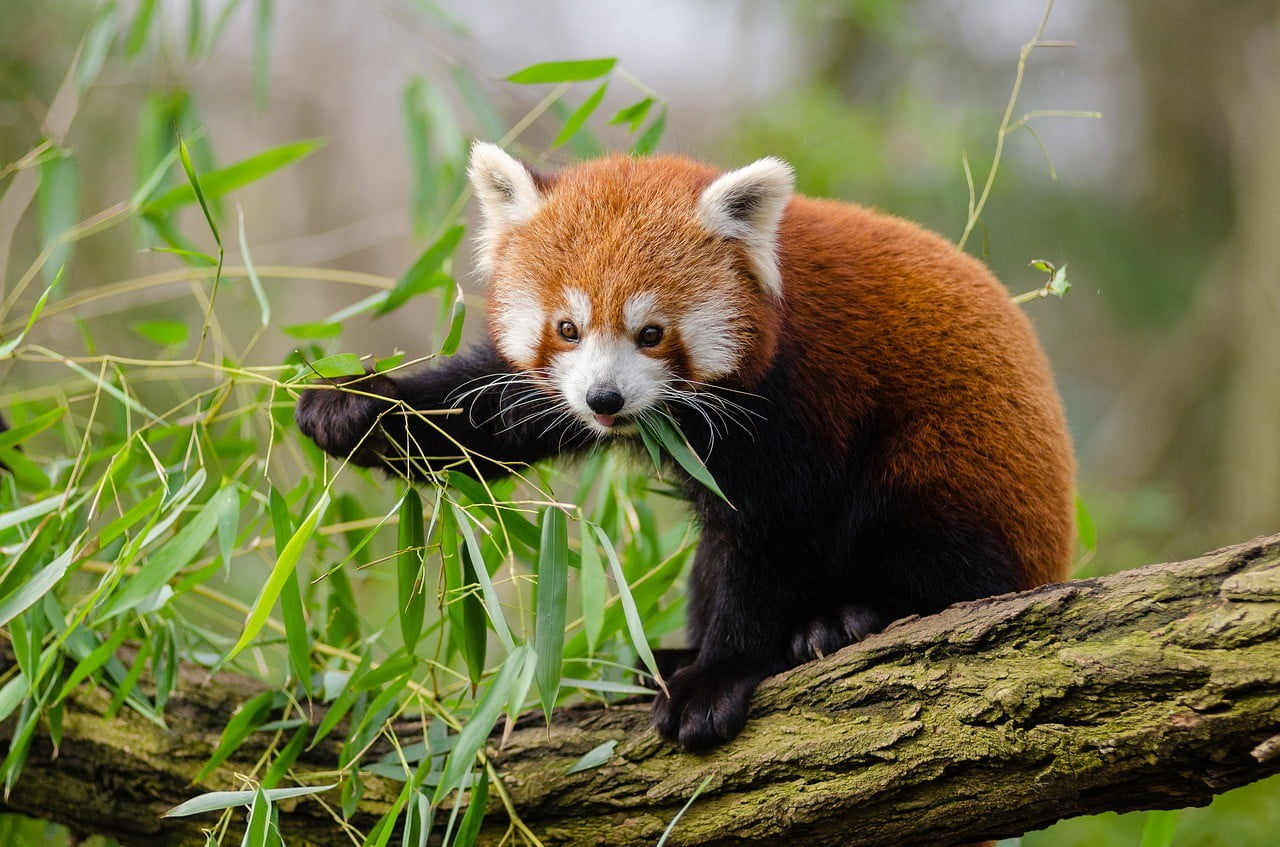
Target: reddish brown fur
x=884, y=315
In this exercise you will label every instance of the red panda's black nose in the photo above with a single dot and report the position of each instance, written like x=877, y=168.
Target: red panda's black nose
x=604, y=399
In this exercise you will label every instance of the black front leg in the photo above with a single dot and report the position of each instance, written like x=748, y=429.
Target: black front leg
x=739, y=623
x=505, y=418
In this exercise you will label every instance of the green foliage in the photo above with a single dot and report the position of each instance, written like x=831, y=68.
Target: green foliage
x=159, y=496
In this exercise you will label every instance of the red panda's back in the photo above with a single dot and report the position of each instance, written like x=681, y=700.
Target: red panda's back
x=894, y=322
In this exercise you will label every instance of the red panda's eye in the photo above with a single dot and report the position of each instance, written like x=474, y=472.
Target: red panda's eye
x=568, y=331
x=650, y=336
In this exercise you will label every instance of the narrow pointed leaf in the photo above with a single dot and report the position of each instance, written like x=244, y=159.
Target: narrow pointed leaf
x=477, y=728
x=580, y=115
x=409, y=569
x=296, y=633
x=572, y=71
x=175, y=554
x=218, y=182
x=424, y=273
x=285, y=564
x=553, y=577
x=635, y=627
x=216, y=801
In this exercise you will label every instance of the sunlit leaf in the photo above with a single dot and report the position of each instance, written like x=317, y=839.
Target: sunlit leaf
x=573, y=71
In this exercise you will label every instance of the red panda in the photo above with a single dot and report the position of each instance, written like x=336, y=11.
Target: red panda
x=876, y=409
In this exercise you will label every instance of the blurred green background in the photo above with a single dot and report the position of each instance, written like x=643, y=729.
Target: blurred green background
x=1167, y=209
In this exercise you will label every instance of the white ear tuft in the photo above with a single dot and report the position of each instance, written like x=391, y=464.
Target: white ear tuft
x=507, y=194
x=746, y=205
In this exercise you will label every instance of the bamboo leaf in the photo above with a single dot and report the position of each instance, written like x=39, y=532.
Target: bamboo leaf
x=673, y=441
x=553, y=576
x=97, y=43
x=492, y=604
x=296, y=633
x=338, y=365
x=634, y=625
x=215, y=801
x=12, y=344
x=424, y=273
x=140, y=28
x=285, y=564
x=307, y=331
x=474, y=628
x=43, y=581
x=594, y=758
x=457, y=316
x=579, y=70
x=255, y=834
x=633, y=115
x=163, y=333
x=96, y=658
x=260, y=294
x=591, y=581
x=470, y=826
x=20, y=433
x=649, y=140
x=472, y=737
x=285, y=759
x=57, y=202
x=216, y=183
x=175, y=554
x=580, y=115
x=409, y=569
x=245, y=720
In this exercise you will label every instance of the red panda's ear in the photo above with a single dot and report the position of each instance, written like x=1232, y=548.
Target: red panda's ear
x=746, y=205
x=508, y=193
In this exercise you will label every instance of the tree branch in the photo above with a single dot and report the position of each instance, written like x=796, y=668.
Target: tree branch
x=1152, y=688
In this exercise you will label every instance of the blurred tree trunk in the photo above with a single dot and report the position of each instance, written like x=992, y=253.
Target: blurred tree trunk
x=1153, y=688
x=1200, y=410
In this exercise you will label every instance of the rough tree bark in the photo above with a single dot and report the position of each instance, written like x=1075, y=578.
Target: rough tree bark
x=1152, y=688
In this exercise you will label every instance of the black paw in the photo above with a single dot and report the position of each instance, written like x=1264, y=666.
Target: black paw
x=669, y=663
x=707, y=704
x=824, y=634
x=342, y=417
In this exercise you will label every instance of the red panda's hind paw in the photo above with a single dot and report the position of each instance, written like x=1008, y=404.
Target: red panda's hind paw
x=707, y=704
x=824, y=634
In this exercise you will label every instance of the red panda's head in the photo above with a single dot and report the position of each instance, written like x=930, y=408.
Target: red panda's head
x=620, y=283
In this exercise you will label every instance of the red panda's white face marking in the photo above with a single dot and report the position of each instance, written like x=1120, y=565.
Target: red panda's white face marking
x=605, y=375
x=623, y=284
